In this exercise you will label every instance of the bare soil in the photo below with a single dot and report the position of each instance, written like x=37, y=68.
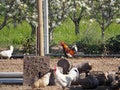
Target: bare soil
x=99, y=64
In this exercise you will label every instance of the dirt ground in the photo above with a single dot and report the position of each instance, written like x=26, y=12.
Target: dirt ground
x=99, y=64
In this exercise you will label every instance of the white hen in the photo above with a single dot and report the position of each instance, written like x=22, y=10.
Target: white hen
x=7, y=53
x=65, y=79
x=74, y=74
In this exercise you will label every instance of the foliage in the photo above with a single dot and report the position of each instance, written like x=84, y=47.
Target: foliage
x=113, y=44
x=89, y=40
x=78, y=9
x=58, y=12
x=14, y=36
x=16, y=11
x=29, y=46
x=104, y=12
x=89, y=43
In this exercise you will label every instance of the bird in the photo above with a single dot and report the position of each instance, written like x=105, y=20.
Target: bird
x=7, y=53
x=64, y=63
x=42, y=82
x=68, y=52
x=84, y=67
x=65, y=80
x=74, y=74
x=89, y=82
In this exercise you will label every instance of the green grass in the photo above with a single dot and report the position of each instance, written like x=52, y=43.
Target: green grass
x=64, y=32
x=89, y=32
x=14, y=35
x=113, y=30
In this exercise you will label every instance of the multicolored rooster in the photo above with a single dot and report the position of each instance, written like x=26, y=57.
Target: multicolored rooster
x=69, y=52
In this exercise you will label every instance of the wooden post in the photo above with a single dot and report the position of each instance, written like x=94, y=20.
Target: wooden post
x=40, y=36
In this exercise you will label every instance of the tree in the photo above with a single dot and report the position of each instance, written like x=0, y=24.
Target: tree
x=58, y=12
x=16, y=11
x=77, y=10
x=104, y=12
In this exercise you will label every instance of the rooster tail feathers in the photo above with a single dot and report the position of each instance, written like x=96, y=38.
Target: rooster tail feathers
x=75, y=48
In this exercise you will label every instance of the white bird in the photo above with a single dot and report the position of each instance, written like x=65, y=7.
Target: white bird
x=65, y=80
x=7, y=53
x=74, y=74
x=42, y=82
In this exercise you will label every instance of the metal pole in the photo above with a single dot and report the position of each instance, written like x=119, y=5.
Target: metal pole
x=11, y=74
x=46, y=31
x=40, y=29
x=11, y=80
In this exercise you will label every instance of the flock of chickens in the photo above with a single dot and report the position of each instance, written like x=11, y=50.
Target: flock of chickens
x=80, y=75
x=65, y=79
x=73, y=76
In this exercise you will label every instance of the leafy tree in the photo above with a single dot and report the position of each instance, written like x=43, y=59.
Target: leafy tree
x=16, y=11
x=58, y=12
x=78, y=9
x=104, y=12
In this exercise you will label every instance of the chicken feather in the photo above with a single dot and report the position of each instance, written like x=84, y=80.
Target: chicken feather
x=65, y=80
x=69, y=52
x=7, y=53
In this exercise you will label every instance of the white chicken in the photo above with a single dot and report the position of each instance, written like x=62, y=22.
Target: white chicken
x=65, y=80
x=74, y=74
x=7, y=53
x=42, y=82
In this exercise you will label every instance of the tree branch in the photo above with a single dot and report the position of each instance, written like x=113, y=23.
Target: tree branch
x=4, y=23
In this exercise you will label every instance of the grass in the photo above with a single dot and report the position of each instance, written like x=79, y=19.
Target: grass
x=64, y=32
x=89, y=32
x=14, y=35
x=113, y=30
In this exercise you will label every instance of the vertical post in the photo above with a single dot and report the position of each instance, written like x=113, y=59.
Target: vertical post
x=46, y=31
x=40, y=36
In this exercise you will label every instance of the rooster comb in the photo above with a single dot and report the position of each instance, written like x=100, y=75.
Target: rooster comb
x=62, y=43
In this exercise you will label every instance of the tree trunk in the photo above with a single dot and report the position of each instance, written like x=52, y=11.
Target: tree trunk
x=76, y=27
x=103, y=41
x=34, y=28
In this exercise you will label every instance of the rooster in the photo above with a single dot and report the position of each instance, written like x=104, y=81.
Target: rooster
x=42, y=82
x=69, y=52
x=7, y=53
x=65, y=80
